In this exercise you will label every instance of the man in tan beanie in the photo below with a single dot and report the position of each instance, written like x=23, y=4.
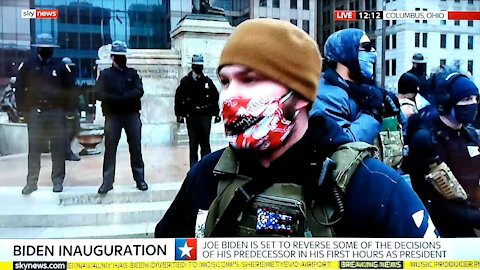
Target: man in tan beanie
x=276, y=177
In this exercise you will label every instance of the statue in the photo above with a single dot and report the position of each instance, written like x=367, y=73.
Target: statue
x=203, y=7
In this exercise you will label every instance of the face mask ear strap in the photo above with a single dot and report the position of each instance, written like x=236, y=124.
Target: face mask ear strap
x=286, y=97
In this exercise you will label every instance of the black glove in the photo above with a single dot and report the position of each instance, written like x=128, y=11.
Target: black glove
x=390, y=103
x=218, y=119
x=369, y=98
x=180, y=119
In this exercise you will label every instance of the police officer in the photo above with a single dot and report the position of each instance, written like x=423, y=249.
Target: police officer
x=73, y=117
x=120, y=89
x=42, y=96
x=196, y=99
x=444, y=157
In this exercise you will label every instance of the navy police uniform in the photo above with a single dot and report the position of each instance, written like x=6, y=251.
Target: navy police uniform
x=120, y=90
x=196, y=99
x=42, y=98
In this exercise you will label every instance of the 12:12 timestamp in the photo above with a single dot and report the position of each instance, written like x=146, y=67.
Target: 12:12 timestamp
x=370, y=15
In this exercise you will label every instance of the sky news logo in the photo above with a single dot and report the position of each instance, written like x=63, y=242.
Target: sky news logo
x=39, y=14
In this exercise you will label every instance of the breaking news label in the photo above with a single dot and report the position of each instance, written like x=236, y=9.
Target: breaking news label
x=351, y=15
x=240, y=253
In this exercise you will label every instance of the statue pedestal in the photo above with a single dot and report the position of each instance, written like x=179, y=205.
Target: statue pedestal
x=201, y=34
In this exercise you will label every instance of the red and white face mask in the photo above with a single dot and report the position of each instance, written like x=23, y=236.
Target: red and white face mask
x=257, y=123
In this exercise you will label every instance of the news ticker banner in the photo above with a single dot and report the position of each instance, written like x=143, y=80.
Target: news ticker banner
x=241, y=253
x=351, y=15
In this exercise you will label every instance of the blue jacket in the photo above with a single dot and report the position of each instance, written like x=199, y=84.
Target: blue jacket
x=333, y=102
x=378, y=202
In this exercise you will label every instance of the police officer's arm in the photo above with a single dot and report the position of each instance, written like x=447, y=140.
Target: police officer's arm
x=21, y=85
x=363, y=128
x=214, y=98
x=179, y=105
x=68, y=84
x=137, y=92
x=101, y=89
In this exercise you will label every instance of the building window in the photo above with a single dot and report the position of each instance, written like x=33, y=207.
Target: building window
x=387, y=68
x=470, y=1
x=456, y=22
x=293, y=21
x=394, y=22
x=417, y=40
x=263, y=3
x=306, y=4
x=293, y=4
x=417, y=9
x=394, y=67
x=470, y=23
x=306, y=26
x=443, y=62
x=443, y=41
x=276, y=3
x=387, y=42
x=457, y=1
x=470, y=66
x=387, y=23
x=443, y=22
x=457, y=42
x=425, y=21
x=470, y=42
x=425, y=40
x=394, y=41
x=456, y=64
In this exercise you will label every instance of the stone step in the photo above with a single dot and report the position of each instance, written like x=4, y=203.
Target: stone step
x=81, y=195
x=121, y=194
x=81, y=215
x=130, y=230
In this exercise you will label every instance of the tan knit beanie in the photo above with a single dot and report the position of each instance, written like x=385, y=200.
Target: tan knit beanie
x=278, y=50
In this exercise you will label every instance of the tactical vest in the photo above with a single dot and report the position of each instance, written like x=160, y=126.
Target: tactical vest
x=390, y=142
x=281, y=209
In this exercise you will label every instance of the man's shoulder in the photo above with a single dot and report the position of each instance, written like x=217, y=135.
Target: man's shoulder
x=330, y=90
x=206, y=165
x=377, y=176
x=106, y=70
x=132, y=70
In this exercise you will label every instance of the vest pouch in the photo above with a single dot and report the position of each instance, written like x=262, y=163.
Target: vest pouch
x=390, y=142
x=279, y=211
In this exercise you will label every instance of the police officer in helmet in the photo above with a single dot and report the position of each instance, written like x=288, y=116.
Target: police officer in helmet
x=120, y=89
x=42, y=95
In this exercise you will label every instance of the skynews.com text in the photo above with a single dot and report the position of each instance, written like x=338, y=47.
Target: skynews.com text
x=39, y=265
